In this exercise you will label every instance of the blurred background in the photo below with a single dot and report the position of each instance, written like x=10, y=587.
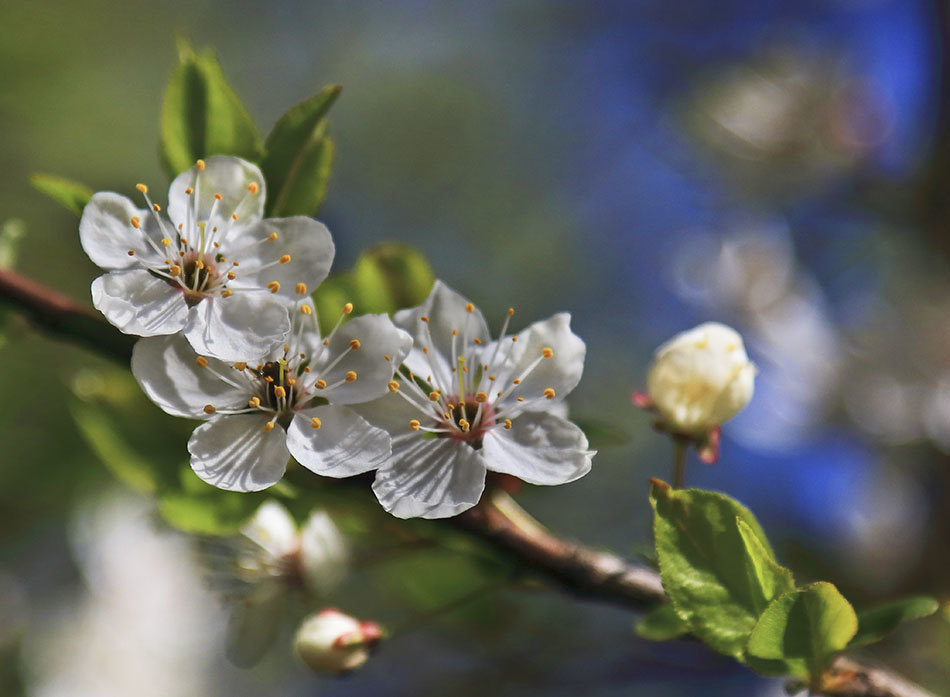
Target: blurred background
x=783, y=167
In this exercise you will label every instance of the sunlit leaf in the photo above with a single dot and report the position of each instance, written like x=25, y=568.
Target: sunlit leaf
x=298, y=157
x=71, y=195
x=662, y=623
x=202, y=116
x=876, y=623
x=801, y=631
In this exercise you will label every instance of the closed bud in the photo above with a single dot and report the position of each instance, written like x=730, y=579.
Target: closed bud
x=700, y=379
x=333, y=643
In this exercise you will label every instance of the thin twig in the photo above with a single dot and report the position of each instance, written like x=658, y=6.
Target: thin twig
x=497, y=520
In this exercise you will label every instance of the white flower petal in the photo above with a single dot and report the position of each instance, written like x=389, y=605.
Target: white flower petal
x=344, y=445
x=253, y=626
x=446, y=311
x=166, y=368
x=561, y=372
x=228, y=176
x=304, y=240
x=392, y=413
x=237, y=454
x=244, y=326
x=107, y=234
x=138, y=303
x=378, y=337
x=539, y=448
x=431, y=478
x=324, y=557
x=272, y=528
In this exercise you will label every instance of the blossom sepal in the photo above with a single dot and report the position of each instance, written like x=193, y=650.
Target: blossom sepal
x=333, y=643
x=706, y=444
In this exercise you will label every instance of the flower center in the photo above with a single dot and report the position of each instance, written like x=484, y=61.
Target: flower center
x=469, y=421
x=199, y=273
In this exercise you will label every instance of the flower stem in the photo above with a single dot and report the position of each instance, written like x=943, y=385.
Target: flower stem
x=679, y=463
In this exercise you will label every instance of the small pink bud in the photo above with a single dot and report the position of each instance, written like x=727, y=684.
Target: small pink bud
x=334, y=643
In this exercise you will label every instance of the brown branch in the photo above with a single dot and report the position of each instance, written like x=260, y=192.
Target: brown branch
x=497, y=520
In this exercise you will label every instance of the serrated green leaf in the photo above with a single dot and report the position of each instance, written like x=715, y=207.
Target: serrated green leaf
x=703, y=563
x=71, y=195
x=801, y=631
x=661, y=624
x=771, y=579
x=386, y=278
x=876, y=623
x=202, y=116
x=298, y=157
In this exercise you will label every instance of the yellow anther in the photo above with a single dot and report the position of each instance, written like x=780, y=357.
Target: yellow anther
x=181, y=253
x=508, y=424
x=464, y=425
x=516, y=381
x=393, y=386
x=131, y=252
x=142, y=188
x=424, y=318
x=209, y=409
x=217, y=197
x=156, y=208
x=268, y=378
x=455, y=332
x=520, y=399
x=301, y=289
x=492, y=378
x=273, y=286
x=180, y=225
x=434, y=396
x=291, y=381
x=231, y=275
x=447, y=415
x=280, y=392
x=469, y=307
x=549, y=393
x=481, y=397
x=234, y=216
x=135, y=221
x=348, y=308
x=514, y=338
x=284, y=259
x=425, y=350
x=547, y=352
x=464, y=368
x=253, y=188
x=189, y=191
x=184, y=241
x=354, y=344
x=511, y=311
x=350, y=376
x=174, y=270
x=272, y=237
x=478, y=342
x=227, y=293
x=235, y=263
x=269, y=426
x=305, y=310
x=199, y=264
x=320, y=384
x=240, y=365
x=414, y=424
x=500, y=393
x=254, y=402
x=387, y=357
x=201, y=362
x=307, y=368
x=315, y=422
x=326, y=342
x=201, y=165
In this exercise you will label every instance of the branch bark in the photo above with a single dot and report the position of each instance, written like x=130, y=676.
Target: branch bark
x=497, y=519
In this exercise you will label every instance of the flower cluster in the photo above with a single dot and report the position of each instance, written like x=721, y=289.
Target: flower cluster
x=428, y=399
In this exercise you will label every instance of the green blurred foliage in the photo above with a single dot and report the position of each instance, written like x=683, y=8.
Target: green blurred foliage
x=71, y=195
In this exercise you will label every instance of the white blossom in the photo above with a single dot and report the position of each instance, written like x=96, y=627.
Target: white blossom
x=334, y=643
x=213, y=268
x=467, y=404
x=700, y=379
x=258, y=571
x=292, y=401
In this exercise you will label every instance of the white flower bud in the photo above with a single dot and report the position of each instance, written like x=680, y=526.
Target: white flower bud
x=700, y=379
x=333, y=643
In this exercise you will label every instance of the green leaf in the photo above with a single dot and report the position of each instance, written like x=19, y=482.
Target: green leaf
x=202, y=116
x=661, y=624
x=877, y=622
x=72, y=195
x=386, y=278
x=602, y=434
x=705, y=563
x=299, y=156
x=201, y=509
x=801, y=631
x=770, y=578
